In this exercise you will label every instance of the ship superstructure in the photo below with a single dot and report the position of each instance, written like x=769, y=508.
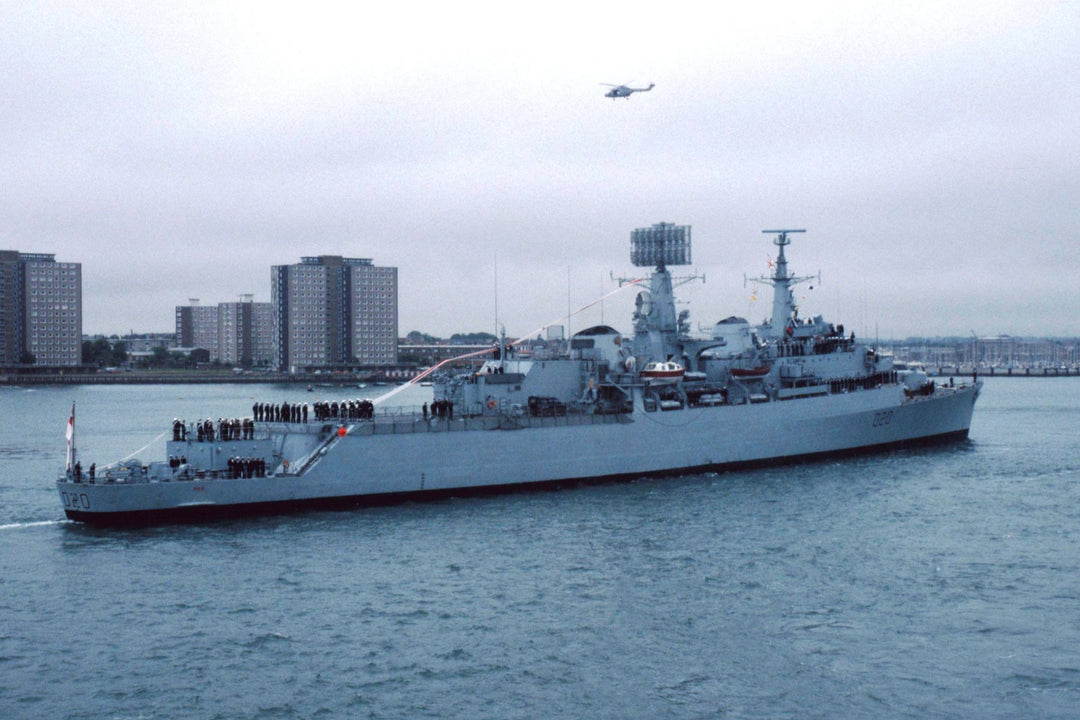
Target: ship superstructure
x=606, y=407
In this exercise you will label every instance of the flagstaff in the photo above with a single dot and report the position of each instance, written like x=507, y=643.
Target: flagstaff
x=70, y=434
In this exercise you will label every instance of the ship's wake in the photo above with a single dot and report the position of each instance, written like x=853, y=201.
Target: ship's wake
x=34, y=523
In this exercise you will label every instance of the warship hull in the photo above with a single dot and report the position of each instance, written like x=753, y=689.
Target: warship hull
x=791, y=389
x=414, y=458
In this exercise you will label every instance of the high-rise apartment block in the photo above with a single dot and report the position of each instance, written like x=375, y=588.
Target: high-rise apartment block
x=11, y=334
x=246, y=332
x=333, y=311
x=40, y=310
x=236, y=333
x=197, y=326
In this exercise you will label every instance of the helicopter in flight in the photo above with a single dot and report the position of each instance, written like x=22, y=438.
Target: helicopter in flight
x=624, y=91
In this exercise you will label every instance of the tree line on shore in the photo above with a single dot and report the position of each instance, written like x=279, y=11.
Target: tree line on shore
x=104, y=352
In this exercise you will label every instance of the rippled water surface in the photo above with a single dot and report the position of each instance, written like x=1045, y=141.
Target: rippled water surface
x=933, y=583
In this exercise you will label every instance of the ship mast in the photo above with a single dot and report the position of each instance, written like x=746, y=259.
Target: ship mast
x=784, y=308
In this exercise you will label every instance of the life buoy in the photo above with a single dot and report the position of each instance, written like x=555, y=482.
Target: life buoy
x=285, y=464
x=491, y=403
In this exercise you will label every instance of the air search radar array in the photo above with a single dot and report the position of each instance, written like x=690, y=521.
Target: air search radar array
x=660, y=245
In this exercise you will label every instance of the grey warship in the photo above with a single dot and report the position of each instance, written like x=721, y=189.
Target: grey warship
x=665, y=401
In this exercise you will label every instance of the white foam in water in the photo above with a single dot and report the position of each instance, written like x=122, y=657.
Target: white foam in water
x=36, y=523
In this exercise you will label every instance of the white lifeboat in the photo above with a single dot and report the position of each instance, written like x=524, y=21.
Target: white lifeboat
x=663, y=373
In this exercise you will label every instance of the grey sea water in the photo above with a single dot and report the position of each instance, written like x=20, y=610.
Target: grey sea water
x=936, y=583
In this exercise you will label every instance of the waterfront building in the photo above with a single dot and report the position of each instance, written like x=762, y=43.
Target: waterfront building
x=197, y=327
x=234, y=333
x=144, y=343
x=11, y=340
x=334, y=312
x=40, y=310
x=245, y=332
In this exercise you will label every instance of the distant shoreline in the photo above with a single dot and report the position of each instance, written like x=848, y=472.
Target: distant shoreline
x=953, y=370
x=347, y=380
x=190, y=378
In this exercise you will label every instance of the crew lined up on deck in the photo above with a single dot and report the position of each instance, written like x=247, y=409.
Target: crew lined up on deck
x=285, y=412
x=440, y=409
x=346, y=409
x=205, y=430
x=246, y=467
x=298, y=413
x=244, y=428
x=238, y=467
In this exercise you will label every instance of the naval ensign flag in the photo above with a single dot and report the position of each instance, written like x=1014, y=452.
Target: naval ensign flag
x=71, y=439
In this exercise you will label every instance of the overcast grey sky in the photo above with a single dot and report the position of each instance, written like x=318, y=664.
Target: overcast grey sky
x=178, y=150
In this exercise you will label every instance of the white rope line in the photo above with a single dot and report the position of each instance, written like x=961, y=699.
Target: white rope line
x=114, y=464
